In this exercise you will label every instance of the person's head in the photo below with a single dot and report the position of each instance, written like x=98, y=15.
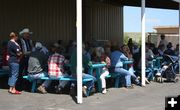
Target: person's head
x=162, y=36
x=169, y=45
x=55, y=48
x=152, y=46
x=25, y=33
x=130, y=41
x=177, y=46
x=99, y=51
x=38, y=46
x=125, y=48
x=13, y=36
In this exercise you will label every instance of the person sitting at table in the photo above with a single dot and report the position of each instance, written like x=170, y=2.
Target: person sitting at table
x=149, y=63
x=105, y=72
x=169, y=50
x=86, y=86
x=44, y=50
x=117, y=58
x=56, y=67
x=97, y=54
x=126, y=51
x=37, y=67
x=86, y=52
x=176, y=50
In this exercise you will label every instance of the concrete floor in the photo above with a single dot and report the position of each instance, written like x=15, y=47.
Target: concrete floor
x=151, y=97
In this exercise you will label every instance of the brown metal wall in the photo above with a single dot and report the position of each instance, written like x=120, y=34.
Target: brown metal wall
x=103, y=21
x=51, y=20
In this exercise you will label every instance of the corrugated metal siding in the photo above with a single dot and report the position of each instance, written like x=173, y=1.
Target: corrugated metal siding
x=49, y=20
x=103, y=21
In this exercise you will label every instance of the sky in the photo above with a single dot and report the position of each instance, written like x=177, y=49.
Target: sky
x=154, y=17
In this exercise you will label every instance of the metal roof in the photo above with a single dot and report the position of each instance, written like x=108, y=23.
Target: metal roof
x=163, y=4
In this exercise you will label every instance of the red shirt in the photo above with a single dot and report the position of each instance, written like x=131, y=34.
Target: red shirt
x=55, y=65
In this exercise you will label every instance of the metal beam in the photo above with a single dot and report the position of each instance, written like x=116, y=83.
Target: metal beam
x=79, y=49
x=143, y=43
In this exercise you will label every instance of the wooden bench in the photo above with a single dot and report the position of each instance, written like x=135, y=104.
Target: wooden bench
x=34, y=80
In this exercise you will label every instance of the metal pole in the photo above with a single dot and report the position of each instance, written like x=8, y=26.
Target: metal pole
x=79, y=49
x=179, y=31
x=143, y=42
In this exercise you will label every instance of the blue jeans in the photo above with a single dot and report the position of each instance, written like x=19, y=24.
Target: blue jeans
x=149, y=74
x=89, y=84
x=46, y=83
x=125, y=73
x=14, y=72
x=128, y=75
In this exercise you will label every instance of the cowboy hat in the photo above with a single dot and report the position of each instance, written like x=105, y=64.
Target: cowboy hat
x=25, y=30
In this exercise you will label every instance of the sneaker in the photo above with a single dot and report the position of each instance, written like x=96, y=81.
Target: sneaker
x=176, y=80
x=129, y=87
x=104, y=91
x=42, y=89
x=147, y=81
x=84, y=90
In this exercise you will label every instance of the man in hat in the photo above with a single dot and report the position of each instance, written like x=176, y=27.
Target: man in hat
x=26, y=46
x=25, y=41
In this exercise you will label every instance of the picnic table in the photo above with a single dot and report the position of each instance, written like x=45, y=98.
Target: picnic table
x=97, y=67
x=126, y=63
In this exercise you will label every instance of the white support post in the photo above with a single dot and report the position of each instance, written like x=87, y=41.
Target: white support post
x=79, y=49
x=143, y=42
x=179, y=30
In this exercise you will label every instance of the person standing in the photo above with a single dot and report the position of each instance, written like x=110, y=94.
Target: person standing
x=26, y=45
x=163, y=41
x=130, y=45
x=14, y=54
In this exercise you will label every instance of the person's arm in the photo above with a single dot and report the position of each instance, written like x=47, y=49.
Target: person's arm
x=17, y=50
x=108, y=62
x=123, y=57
